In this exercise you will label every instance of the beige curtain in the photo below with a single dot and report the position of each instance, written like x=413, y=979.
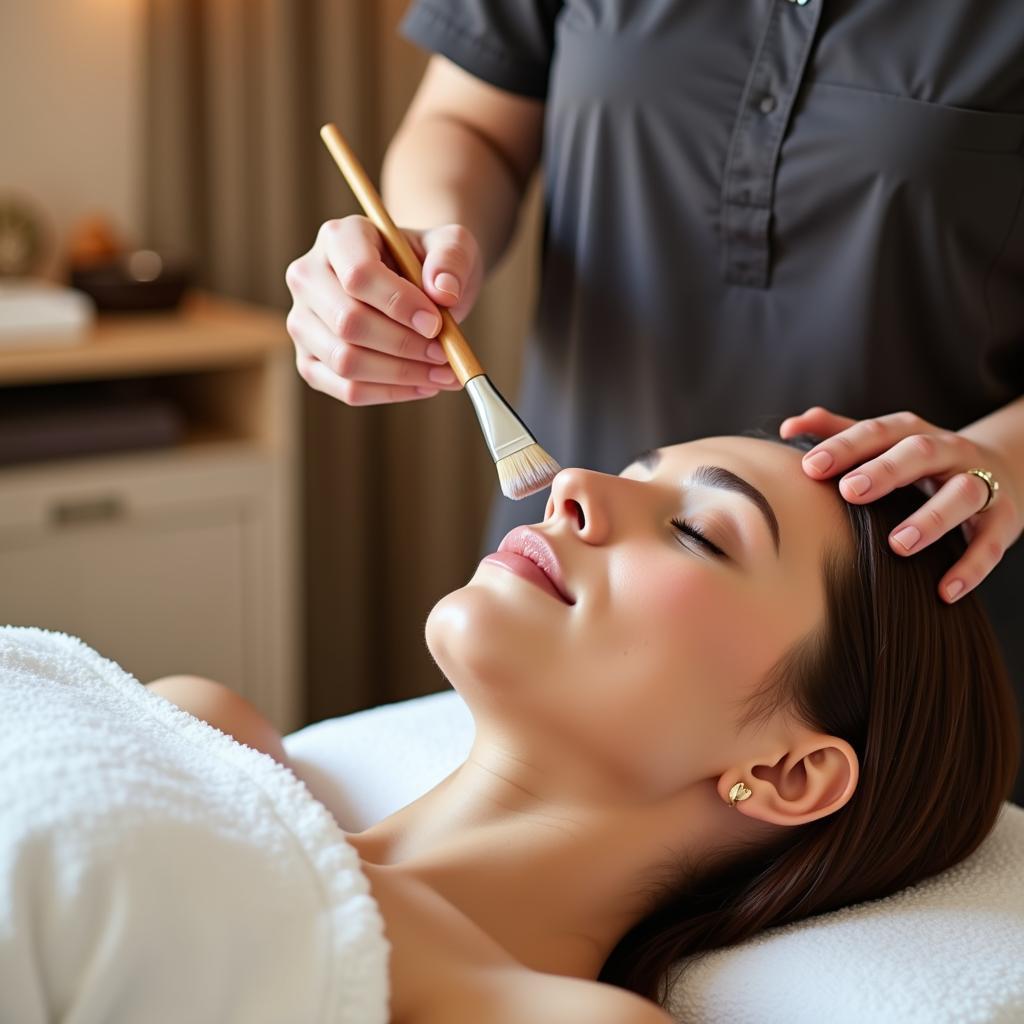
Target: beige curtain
x=238, y=182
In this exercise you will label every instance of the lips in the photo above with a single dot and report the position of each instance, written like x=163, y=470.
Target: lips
x=525, y=543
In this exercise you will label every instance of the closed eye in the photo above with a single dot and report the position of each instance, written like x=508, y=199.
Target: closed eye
x=684, y=526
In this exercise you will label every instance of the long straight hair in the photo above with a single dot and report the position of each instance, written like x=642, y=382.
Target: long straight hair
x=919, y=689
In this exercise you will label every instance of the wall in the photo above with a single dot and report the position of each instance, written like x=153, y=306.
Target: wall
x=71, y=109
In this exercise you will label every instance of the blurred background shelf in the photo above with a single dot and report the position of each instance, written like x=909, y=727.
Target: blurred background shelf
x=170, y=559
x=207, y=332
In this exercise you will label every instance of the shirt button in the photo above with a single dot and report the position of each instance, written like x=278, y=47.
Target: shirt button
x=767, y=104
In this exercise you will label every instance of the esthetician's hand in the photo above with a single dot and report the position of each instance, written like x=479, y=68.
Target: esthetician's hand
x=878, y=455
x=362, y=332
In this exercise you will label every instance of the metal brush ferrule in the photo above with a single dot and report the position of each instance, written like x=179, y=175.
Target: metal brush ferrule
x=504, y=431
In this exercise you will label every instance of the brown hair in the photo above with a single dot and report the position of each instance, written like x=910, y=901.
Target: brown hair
x=918, y=688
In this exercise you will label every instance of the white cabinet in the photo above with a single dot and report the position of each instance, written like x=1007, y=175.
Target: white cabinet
x=176, y=560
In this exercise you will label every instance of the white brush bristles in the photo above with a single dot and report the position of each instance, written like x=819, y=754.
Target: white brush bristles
x=526, y=471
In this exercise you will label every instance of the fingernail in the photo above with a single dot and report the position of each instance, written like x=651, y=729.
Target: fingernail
x=428, y=324
x=859, y=484
x=907, y=537
x=448, y=283
x=819, y=461
x=436, y=352
x=442, y=375
x=427, y=391
x=953, y=589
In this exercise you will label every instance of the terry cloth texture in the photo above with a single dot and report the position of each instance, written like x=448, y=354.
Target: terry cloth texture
x=153, y=869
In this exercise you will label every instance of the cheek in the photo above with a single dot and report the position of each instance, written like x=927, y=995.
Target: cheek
x=698, y=618
x=671, y=655
x=686, y=616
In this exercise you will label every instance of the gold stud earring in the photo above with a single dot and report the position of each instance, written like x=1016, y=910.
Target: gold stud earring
x=738, y=792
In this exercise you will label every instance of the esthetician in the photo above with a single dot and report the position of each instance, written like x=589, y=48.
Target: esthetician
x=751, y=210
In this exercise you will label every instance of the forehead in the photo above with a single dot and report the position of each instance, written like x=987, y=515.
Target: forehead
x=809, y=512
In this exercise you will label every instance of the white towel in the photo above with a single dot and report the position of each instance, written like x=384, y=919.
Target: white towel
x=154, y=870
x=949, y=950
x=369, y=764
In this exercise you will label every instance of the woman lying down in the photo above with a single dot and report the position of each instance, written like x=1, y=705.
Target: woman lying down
x=715, y=703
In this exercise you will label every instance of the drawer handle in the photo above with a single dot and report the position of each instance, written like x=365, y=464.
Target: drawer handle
x=88, y=510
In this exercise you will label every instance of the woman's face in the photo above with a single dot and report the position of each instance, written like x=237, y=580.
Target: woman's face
x=642, y=675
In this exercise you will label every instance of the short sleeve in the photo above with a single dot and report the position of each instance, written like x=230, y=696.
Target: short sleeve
x=507, y=43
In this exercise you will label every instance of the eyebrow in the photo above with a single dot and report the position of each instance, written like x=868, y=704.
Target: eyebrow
x=719, y=476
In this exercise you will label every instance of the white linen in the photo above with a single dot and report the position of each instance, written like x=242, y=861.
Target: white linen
x=949, y=950
x=367, y=765
x=153, y=869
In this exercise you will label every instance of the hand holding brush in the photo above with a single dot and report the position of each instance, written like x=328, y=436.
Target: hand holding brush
x=523, y=466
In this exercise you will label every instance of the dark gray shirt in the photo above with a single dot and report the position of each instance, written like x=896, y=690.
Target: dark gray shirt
x=754, y=206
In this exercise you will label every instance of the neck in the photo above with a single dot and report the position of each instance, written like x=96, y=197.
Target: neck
x=556, y=883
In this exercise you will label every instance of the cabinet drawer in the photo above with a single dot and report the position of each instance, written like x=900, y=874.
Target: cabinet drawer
x=158, y=597
x=56, y=495
x=157, y=562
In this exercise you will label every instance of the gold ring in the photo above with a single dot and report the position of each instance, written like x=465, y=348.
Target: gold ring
x=990, y=482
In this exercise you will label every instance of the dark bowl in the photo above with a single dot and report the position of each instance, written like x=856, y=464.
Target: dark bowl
x=118, y=286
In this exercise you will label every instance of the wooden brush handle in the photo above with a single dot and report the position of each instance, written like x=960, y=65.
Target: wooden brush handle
x=455, y=346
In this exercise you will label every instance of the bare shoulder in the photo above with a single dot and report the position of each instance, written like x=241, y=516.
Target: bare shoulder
x=224, y=709
x=512, y=997
x=599, y=1003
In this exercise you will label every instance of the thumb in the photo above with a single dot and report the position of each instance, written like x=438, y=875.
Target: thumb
x=452, y=268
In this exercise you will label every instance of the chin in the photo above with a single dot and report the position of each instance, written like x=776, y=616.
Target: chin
x=476, y=638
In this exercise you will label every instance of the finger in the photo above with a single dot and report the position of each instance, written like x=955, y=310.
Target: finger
x=356, y=363
x=908, y=460
x=959, y=498
x=354, y=250
x=320, y=378
x=816, y=420
x=981, y=557
x=415, y=239
x=864, y=439
x=452, y=267
x=315, y=286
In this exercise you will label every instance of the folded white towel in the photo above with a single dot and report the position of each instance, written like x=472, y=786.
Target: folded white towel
x=152, y=869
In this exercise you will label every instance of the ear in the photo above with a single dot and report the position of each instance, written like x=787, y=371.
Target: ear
x=809, y=780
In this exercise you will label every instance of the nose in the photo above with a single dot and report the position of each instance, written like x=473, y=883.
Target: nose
x=581, y=497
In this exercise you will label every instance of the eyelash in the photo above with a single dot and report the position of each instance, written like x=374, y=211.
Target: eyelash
x=684, y=526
